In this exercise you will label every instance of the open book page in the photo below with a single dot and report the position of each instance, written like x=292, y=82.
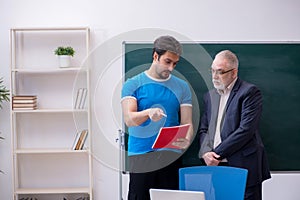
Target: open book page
x=168, y=135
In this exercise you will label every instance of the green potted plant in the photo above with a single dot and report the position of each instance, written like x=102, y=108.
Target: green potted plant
x=4, y=96
x=4, y=93
x=64, y=55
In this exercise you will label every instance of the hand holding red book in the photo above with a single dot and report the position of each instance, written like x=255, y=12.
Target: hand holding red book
x=168, y=135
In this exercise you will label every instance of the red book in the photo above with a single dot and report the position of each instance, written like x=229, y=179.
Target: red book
x=168, y=135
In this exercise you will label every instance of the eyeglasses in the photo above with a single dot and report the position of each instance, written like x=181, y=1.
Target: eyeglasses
x=219, y=72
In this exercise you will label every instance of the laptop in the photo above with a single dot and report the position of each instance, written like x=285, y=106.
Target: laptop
x=163, y=194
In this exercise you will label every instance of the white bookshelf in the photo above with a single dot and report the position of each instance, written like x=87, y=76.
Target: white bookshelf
x=44, y=164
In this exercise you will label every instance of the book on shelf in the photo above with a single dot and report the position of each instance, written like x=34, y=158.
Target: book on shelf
x=77, y=100
x=83, y=98
x=168, y=135
x=80, y=140
x=24, y=105
x=17, y=101
x=80, y=98
x=77, y=136
x=24, y=108
x=24, y=97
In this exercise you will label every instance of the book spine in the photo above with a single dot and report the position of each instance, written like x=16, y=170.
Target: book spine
x=81, y=140
x=24, y=97
x=84, y=133
x=83, y=99
x=77, y=136
x=18, y=105
x=16, y=101
x=25, y=108
x=78, y=98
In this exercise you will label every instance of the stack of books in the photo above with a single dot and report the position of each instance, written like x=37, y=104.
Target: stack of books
x=24, y=102
x=80, y=140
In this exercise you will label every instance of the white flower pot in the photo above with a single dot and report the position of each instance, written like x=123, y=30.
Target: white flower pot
x=64, y=60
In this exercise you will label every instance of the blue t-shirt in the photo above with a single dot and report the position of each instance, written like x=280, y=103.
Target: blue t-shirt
x=168, y=94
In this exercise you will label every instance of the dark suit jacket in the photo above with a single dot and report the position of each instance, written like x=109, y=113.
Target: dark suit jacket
x=241, y=143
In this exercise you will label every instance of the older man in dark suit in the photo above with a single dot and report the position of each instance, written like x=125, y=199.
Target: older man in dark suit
x=229, y=125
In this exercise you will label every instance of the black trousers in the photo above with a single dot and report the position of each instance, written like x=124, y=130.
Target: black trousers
x=254, y=192
x=153, y=170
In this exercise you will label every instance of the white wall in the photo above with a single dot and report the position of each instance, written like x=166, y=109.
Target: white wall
x=200, y=20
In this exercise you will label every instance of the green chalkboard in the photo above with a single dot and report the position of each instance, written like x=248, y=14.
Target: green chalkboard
x=273, y=67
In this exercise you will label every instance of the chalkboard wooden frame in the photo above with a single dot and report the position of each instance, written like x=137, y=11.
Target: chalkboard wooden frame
x=272, y=66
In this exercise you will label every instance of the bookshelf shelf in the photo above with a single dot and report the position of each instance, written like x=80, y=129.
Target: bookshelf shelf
x=51, y=70
x=44, y=110
x=54, y=29
x=47, y=114
x=49, y=151
x=51, y=190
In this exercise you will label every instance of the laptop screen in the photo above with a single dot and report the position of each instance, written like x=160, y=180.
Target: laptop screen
x=162, y=194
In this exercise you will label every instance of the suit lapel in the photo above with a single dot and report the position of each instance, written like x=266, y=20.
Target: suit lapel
x=233, y=93
x=231, y=96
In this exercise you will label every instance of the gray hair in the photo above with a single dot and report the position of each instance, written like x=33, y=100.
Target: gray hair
x=230, y=57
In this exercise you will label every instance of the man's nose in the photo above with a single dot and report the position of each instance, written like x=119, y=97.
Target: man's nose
x=171, y=67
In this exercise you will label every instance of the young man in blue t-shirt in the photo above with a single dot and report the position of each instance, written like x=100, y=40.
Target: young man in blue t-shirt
x=151, y=100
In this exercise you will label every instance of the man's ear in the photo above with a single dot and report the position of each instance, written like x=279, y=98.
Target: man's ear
x=155, y=56
x=235, y=73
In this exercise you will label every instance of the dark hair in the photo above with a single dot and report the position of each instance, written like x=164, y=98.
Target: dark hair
x=159, y=52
